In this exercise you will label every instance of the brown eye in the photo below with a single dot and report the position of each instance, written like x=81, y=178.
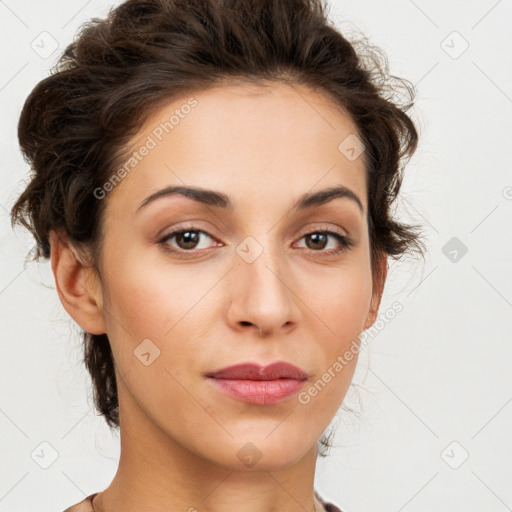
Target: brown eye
x=186, y=239
x=317, y=241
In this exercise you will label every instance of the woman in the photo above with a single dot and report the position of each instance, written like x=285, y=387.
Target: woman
x=213, y=183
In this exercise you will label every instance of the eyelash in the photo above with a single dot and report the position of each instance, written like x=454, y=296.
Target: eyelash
x=346, y=242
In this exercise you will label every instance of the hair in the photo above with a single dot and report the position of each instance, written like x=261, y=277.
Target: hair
x=76, y=123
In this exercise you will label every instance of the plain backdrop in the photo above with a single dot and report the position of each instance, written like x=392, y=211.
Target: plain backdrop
x=433, y=388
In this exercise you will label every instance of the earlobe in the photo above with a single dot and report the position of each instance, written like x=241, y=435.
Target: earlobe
x=378, y=290
x=77, y=284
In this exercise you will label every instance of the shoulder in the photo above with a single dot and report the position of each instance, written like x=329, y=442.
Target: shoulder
x=84, y=506
x=329, y=507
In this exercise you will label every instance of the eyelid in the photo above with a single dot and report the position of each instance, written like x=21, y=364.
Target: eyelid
x=322, y=226
x=191, y=225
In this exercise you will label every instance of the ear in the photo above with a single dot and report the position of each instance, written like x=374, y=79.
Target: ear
x=378, y=290
x=78, y=285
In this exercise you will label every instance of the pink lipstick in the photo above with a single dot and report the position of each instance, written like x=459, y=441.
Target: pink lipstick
x=260, y=385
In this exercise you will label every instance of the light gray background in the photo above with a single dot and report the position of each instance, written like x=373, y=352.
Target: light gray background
x=433, y=386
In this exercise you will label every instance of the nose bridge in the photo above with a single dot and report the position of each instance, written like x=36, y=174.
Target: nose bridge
x=262, y=293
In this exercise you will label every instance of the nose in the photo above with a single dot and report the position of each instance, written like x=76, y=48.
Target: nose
x=262, y=297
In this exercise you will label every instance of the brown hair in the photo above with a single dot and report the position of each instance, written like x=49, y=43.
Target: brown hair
x=75, y=124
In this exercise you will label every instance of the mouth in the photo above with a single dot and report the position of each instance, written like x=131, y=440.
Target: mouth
x=259, y=385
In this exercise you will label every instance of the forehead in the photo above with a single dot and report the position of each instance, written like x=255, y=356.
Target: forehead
x=247, y=140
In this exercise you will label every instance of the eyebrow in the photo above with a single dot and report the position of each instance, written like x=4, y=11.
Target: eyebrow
x=221, y=200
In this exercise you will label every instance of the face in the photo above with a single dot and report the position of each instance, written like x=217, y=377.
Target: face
x=248, y=277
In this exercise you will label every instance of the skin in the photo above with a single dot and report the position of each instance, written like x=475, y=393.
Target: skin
x=263, y=147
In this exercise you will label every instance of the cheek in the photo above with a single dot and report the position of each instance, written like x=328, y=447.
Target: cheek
x=150, y=298
x=340, y=301
x=172, y=306
x=341, y=311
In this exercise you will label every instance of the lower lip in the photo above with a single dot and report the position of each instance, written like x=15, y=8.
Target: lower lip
x=259, y=392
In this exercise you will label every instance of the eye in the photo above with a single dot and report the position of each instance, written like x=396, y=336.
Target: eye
x=318, y=240
x=186, y=239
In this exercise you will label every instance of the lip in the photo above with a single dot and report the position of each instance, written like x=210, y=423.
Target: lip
x=260, y=385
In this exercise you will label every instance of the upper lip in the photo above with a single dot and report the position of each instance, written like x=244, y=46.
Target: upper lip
x=254, y=371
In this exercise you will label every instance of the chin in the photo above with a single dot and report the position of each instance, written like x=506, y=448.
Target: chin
x=261, y=453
